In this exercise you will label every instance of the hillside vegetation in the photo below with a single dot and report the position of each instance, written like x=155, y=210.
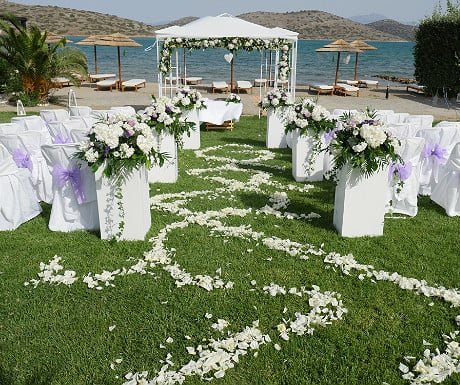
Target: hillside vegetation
x=313, y=25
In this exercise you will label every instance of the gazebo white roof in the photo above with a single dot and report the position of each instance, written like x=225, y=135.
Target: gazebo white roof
x=224, y=26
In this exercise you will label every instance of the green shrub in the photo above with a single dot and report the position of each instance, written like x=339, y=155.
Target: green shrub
x=437, y=51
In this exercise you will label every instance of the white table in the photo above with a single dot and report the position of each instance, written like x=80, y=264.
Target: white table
x=219, y=111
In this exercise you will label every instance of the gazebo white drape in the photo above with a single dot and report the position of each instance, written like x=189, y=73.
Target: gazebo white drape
x=228, y=32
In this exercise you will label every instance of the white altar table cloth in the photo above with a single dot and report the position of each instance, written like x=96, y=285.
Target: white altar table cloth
x=219, y=111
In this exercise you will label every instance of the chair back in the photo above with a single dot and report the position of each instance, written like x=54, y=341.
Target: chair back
x=55, y=115
x=10, y=128
x=60, y=130
x=74, y=190
x=30, y=122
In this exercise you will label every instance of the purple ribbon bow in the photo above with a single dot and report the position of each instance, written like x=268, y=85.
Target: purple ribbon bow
x=403, y=171
x=439, y=153
x=22, y=159
x=59, y=139
x=72, y=175
x=329, y=135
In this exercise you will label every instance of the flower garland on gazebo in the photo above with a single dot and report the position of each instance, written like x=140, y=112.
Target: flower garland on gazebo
x=230, y=43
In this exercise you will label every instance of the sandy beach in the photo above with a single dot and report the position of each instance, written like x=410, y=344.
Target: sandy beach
x=399, y=100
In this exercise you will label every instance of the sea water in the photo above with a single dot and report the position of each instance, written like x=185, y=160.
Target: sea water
x=390, y=58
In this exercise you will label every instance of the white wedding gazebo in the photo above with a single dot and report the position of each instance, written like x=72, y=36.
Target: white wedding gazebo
x=231, y=33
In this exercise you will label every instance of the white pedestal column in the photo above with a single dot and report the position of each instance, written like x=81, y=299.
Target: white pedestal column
x=169, y=171
x=133, y=208
x=302, y=147
x=359, y=205
x=276, y=138
x=192, y=142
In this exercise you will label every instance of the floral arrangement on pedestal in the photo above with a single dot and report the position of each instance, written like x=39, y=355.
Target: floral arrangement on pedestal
x=276, y=98
x=364, y=143
x=312, y=120
x=233, y=98
x=188, y=99
x=121, y=143
x=163, y=114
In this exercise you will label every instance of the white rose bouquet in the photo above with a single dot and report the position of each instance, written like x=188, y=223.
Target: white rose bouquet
x=121, y=143
x=364, y=142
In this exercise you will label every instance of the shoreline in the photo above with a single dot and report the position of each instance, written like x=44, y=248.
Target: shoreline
x=399, y=100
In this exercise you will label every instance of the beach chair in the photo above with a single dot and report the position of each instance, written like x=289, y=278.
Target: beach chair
x=60, y=82
x=243, y=85
x=219, y=86
x=133, y=83
x=368, y=83
x=345, y=89
x=107, y=83
x=416, y=88
x=98, y=77
x=321, y=89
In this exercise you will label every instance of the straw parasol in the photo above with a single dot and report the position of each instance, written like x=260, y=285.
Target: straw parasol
x=91, y=40
x=54, y=38
x=338, y=46
x=363, y=46
x=117, y=40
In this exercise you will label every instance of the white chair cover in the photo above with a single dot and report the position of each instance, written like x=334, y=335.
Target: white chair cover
x=79, y=134
x=402, y=130
x=80, y=111
x=10, y=128
x=397, y=117
x=439, y=142
x=88, y=121
x=60, y=130
x=55, y=115
x=338, y=112
x=102, y=114
x=403, y=200
x=74, y=190
x=445, y=123
x=421, y=121
x=25, y=150
x=447, y=192
x=384, y=115
x=124, y=109
x=18, y=202
x=30, y=123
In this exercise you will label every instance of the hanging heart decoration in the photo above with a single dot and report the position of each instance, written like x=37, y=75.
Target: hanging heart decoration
x=228, y=57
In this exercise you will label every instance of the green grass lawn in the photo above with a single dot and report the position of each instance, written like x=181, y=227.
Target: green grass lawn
x=209, y=224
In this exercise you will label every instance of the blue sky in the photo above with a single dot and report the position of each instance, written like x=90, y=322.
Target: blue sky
x=158, y=11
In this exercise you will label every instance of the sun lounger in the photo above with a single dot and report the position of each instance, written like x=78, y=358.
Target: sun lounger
x=107, y=83
x=60, y=82
x=345, y=89
x=321, y=88
x=243, y=85
x=416, y=87
x=133, y=83
x=99, y=77
x=193, y=80
x=369, y=83
x=219, y=86
x=350, y=82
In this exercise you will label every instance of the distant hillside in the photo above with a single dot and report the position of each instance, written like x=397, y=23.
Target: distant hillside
x=407, y=32
x=319, y=25
x=313, y=25
x=72, y=22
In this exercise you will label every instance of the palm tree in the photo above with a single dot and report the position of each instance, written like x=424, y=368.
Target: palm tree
x=32, y=63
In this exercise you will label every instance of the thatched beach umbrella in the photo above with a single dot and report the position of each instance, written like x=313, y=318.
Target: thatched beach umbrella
x=338, y=46
x=54, y=38
x=363, y=46
x=117, y=40
x=91, y=40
